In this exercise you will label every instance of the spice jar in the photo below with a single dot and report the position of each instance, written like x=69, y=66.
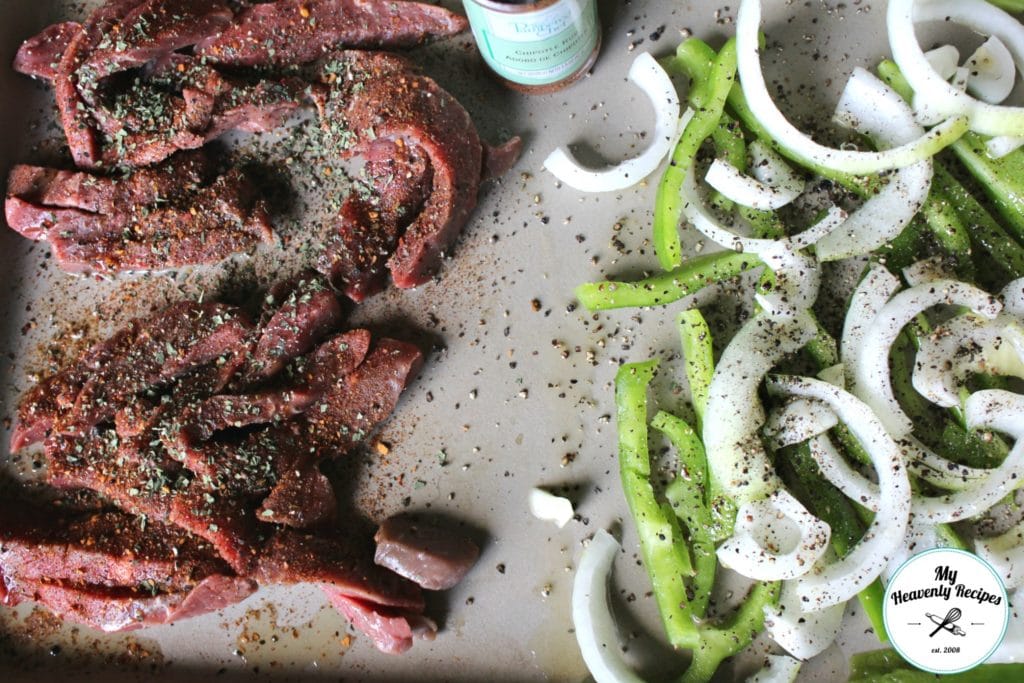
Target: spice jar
x=536, y=47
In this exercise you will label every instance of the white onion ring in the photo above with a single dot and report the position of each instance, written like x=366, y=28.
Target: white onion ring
x=770, y=168
x=801, y=634
x=747, y=191
x=778, y=669
x=592, y=617
x=797, y=421
x=873, y=382
x=925, y=464
x=840, y=474
x=734, y=415
x=963, y=346
x=650, y=77
x=1001, y=145
x=1013, y=298
x=1001, y=411
x=774, y=539
x=797, y=278
x=991, y=72
x=837, y=582
x=872, y=108
x=926, y=270
x=870, y=295
x=932, y=92
x=944, y=59
x=701, y=219
x=748, y=24
x=1005, y=553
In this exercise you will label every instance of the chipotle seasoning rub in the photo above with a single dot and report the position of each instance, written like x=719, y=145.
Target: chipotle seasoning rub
x=536, y=47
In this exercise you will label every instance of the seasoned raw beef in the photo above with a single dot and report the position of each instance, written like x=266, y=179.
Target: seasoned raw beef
x=288, y=32
x=175, y=214
x=431, y=145
x=207, y=433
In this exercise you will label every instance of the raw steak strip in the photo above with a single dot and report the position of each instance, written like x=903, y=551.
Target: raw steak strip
x=385, y=100
x=162, y=217
x=289, y=32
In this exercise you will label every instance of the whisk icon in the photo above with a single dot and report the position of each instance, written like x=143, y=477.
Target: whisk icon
x=946, y=623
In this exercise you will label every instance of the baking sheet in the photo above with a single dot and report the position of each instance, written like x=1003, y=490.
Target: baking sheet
x=517, y=388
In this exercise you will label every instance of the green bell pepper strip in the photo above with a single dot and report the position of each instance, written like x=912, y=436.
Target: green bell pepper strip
x=1009, y=5
x=668, y=208
x=984, y=230
x=695, y=336
x=1001, y=179
x=687, y=496
x=886, y=666
x=719, y=643
x=665, y=288
x=661, y=544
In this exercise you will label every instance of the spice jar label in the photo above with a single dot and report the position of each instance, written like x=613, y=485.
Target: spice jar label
x=535, y=46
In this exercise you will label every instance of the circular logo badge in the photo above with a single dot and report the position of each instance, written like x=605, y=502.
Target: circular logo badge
x=945, y=610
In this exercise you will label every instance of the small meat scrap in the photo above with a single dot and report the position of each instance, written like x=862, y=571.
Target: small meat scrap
x=425, y=163
x=175, y=214
x=425, y=550
x=287, y=32
x=202, y=434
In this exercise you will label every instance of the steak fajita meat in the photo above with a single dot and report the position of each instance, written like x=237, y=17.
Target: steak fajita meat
x=287, y=32
x=431, y=146
x=175, y=214
x=202, y=435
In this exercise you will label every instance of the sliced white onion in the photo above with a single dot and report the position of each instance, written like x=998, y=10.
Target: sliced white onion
x=778, y=669
x=550, y=508
x=1005, y=553
x=944, y=59
x=992, y=72
x=748, y=24
x=745, y=190
x=650, y=77
x=771, y=169
x=1013, y=298
x=963, y=346
x=925, y=464
x=797, y=279
x=1011, y=650
x=834, y=374
x=797, y=421
x=842, y=475
x=834, y=583
x=1001, y=145
x=592, y=617
x=926, y=270
x=959, y=80
x=801, y=634
x=701, y=219
x=993, y=409
x=871, y=108
x=774, y=539
x=868, y=298
x=942, y=98
x=920, y=536
x=734, y=415
x=873, y=382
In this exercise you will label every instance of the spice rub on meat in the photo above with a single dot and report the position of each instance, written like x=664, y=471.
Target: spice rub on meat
x=142, y=79
x=425, y=163
x=178, y=213
x=119, y=103
x=202, y=433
